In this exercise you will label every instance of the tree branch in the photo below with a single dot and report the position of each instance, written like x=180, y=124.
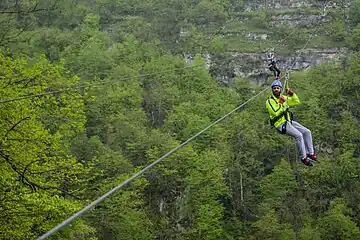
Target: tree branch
x=8, y=12
x=15, y=5
x=30, y=10
x=13, y=128
x=23, y=179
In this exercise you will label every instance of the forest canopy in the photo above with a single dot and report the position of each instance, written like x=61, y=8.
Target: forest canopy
x=91, y=92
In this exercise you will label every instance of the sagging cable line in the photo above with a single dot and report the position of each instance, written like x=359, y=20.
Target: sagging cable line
x=103, y=197
x=106, y=195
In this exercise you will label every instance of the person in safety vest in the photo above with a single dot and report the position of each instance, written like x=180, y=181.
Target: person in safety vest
x=282, y=119
x=272, y=65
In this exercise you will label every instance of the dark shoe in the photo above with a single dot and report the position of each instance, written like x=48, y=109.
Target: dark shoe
x=307, y=162
x=312, y=157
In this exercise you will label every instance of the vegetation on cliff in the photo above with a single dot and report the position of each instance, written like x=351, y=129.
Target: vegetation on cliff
x=116, y=94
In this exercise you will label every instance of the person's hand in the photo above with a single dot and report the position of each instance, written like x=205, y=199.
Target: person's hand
x=282, y=100
x=289, y=92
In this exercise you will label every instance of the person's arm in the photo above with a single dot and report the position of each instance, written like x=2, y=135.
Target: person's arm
x=269, y=60
x=292, y=98
x=275, y=109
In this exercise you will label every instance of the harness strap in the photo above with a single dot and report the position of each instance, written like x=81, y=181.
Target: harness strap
x=275, y=119
x=283, y=128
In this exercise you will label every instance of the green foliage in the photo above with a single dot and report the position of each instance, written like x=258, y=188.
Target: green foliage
x=277, y=185
x=236, y=5
x=207, y=12
x=124, y=215
x=336, y=224
x=268, y=227
x=354, y=13
x=355, y=37
x=40, y=178
x=238, y=180
x=205, y=181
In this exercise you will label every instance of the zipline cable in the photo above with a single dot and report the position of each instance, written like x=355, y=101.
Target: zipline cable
x=103, y=197
x=100, y=199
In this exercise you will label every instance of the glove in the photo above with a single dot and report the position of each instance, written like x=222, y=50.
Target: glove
x=281, y=100
x=289, y=92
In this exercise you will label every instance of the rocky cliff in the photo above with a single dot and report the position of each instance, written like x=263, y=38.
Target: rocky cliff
x=291, y=13
x=254, y=65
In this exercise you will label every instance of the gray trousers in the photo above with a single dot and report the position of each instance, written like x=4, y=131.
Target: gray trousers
x=302, y=137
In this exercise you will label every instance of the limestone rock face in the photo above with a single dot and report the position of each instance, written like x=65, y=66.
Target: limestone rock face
x=254, y=65
x=254, y=5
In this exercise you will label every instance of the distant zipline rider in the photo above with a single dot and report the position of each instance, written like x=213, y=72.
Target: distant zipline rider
x=272, y=65
x=282, y=119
